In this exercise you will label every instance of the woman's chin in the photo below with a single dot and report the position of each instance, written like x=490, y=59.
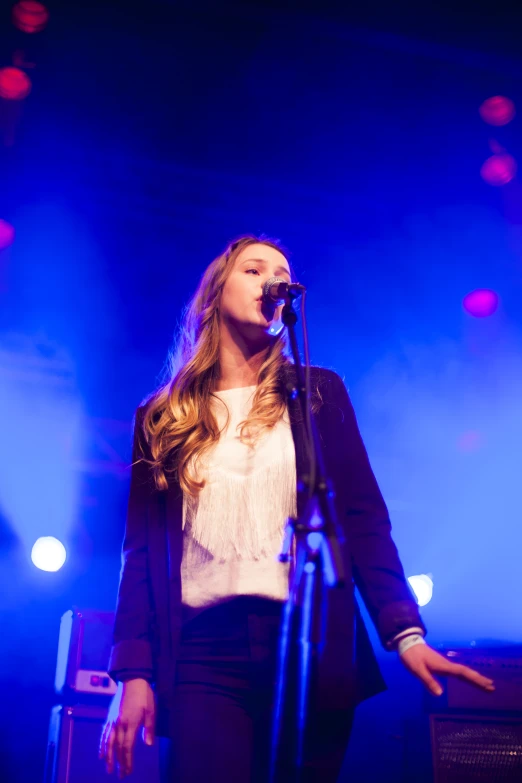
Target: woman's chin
x=271, y=326
x=262, y=331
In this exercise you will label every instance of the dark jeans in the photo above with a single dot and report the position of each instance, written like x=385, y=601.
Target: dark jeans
x=221, y=726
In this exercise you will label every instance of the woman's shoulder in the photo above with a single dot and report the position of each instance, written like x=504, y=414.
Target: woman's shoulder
x=318, y=372
x=326, y=382
x=326, y=378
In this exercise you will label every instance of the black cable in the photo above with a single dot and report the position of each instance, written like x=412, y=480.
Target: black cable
x=308, y=392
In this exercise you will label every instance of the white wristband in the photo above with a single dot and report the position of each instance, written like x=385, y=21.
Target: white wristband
x=409, y=641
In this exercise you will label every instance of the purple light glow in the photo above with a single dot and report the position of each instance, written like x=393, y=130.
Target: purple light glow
x=497, y=110
x=499, y=169
x=7, y=234
x=470, y=441
x=481, y=303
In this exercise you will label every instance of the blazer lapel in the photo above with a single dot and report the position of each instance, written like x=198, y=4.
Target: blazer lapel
x=289, y=383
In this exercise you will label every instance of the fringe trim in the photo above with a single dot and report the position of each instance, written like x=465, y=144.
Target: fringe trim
x=243, y=517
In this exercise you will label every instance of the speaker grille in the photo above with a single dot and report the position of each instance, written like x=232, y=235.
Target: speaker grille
x=475, y=749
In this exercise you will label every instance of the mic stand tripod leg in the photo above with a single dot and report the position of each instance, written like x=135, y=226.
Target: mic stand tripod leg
x=302, y=632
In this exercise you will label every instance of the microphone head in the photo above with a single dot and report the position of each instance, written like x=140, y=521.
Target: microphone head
x=268, y=294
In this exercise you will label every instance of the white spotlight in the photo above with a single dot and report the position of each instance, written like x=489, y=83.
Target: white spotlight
x=422, y=586
x=48, y=554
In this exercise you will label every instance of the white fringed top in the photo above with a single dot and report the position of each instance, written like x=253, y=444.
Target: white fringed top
x=233, y=530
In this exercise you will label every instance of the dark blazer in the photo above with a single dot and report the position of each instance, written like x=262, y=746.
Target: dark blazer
x=148, y=614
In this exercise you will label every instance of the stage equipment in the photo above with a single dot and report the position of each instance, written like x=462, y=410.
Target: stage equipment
x=85, y=689
x=72, y=749
x=476, y=737
x=83, y=654
x=318, y=563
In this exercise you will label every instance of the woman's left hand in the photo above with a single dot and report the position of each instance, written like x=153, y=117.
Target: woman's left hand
x=423, y=661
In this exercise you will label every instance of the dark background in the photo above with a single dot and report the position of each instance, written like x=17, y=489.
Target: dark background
x=155, y=133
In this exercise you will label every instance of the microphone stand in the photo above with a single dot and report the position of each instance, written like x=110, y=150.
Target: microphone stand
x=318, y=565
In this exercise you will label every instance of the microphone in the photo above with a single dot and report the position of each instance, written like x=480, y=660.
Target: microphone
x=276, y=290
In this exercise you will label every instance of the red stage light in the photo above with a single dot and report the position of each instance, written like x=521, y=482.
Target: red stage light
x=481, y=303
x=499, y=169
x=7, y=234
x=30, y=16
x=497, y=110
x=15, y=85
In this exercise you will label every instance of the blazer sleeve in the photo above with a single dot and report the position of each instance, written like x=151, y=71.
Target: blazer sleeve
x=131, y=653
x=377, y=569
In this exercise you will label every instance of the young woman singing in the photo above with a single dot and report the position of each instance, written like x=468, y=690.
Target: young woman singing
x=217, y=450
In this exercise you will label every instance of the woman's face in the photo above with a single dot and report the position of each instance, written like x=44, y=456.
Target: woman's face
x=242, y=306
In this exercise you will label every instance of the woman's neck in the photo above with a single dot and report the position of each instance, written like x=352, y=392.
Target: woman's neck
x=238, y=366
x=233, y=376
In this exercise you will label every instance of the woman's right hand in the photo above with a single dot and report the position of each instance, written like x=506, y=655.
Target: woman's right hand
x=132, y=706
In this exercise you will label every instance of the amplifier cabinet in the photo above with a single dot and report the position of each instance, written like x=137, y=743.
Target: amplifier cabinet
x=73, y=744
x=503, y=665
x=471, y=748
x=83, y=654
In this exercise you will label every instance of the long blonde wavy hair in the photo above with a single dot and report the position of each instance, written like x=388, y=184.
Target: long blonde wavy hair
x=178, y=423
